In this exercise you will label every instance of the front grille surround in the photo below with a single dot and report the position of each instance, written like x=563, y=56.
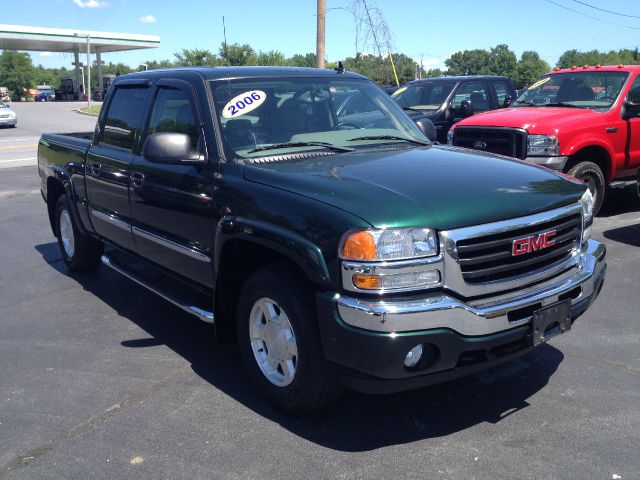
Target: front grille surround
x=511, y=142
x=456, y=269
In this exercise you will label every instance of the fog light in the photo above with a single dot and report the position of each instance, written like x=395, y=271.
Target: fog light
x=413, y=357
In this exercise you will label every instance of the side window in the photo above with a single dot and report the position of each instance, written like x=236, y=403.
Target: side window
x=634, y=92
x=172, y=112
x=476, y=93
x=501, y=92
x=123, y=118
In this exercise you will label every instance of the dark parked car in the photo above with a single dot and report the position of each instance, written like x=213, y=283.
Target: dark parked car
x=447, y=100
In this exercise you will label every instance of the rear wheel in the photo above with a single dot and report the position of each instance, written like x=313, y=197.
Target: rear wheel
x=280, y=343
x=79, y=252
x=593, y=178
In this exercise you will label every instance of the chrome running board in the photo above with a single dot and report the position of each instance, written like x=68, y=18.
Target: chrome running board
x=200, y=313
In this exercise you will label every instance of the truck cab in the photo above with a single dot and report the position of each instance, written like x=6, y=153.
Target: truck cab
x=583, y=121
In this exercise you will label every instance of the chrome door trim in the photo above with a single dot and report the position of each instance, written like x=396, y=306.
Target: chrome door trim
x=171, y=245
x=111, y=219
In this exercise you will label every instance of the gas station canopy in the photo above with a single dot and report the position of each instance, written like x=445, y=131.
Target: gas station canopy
x=18, y=37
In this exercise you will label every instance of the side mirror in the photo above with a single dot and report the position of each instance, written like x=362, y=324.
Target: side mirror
x=172, y=148
x=466, y=108
x=508, y=100
x=427, y=127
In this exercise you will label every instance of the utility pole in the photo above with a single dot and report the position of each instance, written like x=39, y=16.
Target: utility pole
x=320, y=35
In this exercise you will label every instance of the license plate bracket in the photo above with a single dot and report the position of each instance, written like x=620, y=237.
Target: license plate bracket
x=550, y=321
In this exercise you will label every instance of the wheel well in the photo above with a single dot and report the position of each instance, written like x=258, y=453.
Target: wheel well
x=238, y=259
x=54, y=191
x=597, y=155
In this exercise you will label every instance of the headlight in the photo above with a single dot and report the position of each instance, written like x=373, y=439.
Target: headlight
x=542, y=146
x=450, y=137
x=587, y=215
x=389, y=244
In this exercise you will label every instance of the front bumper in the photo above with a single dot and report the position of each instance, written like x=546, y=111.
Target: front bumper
x=554, y=163
x=9, y=121
x=369, y=339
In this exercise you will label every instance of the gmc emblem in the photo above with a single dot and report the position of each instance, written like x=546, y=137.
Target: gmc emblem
x=533, y=243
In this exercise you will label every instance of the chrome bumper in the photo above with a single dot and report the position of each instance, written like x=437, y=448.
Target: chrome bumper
x=555, y=163
x=478, y=317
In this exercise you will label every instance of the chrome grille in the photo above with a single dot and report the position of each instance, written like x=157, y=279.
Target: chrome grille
x=490, y=258
x=511, y=142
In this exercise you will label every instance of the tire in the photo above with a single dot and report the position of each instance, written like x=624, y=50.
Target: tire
x=592, y=176
x=79, y=252
x=309, y=381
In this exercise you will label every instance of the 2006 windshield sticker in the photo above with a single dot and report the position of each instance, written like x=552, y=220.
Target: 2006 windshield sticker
x=243, y=103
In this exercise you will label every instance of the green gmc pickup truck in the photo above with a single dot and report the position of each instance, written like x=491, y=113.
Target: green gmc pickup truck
x=339, y=249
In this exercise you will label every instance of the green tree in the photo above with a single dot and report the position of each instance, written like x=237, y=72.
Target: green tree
x=433, y=72
x=16, y=71
x=468, y=62
x=156, y=64
x=272, y=57
x=576, y=58
x=501, y=61
x=530, y=67
x=196, y=57
x=308, y=60
x=236, y=54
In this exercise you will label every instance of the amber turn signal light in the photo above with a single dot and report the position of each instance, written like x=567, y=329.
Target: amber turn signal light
x=366, y=282
x=360, y=246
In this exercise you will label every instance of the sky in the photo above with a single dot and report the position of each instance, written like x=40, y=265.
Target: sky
x=426, y=30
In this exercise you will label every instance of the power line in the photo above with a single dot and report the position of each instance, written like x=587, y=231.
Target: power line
x=606, y=11
x=591, y=16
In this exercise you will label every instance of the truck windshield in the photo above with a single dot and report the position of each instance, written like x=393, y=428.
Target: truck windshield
x=279, y=116
x=423, y=95
x=596, y=90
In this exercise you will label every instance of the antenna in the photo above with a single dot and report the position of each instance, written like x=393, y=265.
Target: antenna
x=224, y=31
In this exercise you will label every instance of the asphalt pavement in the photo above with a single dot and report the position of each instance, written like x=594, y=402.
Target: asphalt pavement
x=101, y=379
x=19, y=145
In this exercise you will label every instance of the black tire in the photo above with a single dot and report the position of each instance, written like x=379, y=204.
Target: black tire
x=315, y=382
x=592, y=176
x=86, y=250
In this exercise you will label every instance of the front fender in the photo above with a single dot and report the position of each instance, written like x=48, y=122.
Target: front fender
x=288, y=243
x=585, y=140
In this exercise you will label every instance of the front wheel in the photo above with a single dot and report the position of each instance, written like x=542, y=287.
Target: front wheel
x=280, y=343
x=79, y=252
x=593, y=178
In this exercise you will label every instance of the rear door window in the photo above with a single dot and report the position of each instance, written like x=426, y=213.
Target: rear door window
x=123, y=119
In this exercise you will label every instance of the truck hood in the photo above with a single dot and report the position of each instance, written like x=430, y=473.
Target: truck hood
x=544, y=120
x=438, y=187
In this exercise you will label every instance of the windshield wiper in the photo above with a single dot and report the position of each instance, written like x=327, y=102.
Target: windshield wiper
x=389, y=137
x=526, y=102
x=276, y=146
x=563, y=104
x=412, y=109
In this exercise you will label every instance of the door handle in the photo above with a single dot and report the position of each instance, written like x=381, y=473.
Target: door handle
x=136, y=179
x=96, y=169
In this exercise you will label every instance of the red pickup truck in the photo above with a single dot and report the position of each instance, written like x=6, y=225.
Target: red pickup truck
x=584, y=121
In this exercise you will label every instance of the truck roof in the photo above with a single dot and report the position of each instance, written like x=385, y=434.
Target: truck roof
x=217, y=73
x=460, y=78
x=593, y=68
